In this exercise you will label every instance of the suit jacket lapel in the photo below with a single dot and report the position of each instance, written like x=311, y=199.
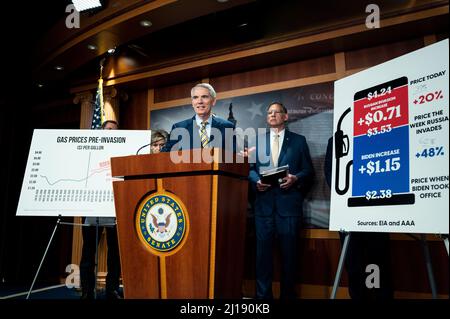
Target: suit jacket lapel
x=193, y=130
x=214, y=123
x=214, y=142
x=268, y=145
x=284, y=147
x=263, y=149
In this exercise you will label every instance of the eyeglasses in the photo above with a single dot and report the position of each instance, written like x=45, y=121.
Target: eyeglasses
x=275, y=112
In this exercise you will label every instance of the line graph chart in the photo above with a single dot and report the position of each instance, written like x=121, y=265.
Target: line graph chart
x=74, y=178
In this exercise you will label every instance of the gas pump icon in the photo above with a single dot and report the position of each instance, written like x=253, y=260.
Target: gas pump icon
x=342, y=146
x=380, y=174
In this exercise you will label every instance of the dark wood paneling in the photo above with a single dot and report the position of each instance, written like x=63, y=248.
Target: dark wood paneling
x=409, y=271
x=60, y=114
x=175, y=57
x=133, y=113
x=174, y=92
x=442, y=36
x=368, y=57
x=286, y=72
x=318, y=260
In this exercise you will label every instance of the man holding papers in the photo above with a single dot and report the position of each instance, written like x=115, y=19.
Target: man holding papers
x=278, y=207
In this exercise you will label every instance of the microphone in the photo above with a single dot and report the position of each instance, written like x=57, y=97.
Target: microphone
x=137, y=152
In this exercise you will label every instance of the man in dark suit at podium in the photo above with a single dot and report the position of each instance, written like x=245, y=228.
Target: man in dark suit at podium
x=278, y=208
x=204, y=129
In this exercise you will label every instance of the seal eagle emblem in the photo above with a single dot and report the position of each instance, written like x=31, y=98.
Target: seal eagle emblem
x=161, y=222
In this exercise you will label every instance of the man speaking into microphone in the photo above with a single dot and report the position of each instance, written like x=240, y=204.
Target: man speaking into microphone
x=203, y=129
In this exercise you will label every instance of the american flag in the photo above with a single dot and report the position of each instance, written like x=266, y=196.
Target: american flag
x=98, y=116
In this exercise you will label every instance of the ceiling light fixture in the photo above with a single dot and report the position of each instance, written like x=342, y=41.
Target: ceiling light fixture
x=82, y=5
x=146, y=23
x=111, y=51
x=59, y=68
x=92, y=47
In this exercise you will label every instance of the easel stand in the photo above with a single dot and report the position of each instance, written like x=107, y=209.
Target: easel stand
x=58, y=222
x=427, y=256
x=426, y=253
x=43, y=257
x=337, y=278
x=445, y=239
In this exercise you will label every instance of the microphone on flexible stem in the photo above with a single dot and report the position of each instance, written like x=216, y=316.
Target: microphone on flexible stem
x=137, y=153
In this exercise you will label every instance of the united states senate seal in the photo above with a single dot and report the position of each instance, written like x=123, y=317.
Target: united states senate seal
x=161, y=222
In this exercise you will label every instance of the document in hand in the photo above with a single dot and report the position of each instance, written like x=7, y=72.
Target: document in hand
x=275, y=175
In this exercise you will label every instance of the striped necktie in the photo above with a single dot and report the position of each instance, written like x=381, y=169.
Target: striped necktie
x=204, y=135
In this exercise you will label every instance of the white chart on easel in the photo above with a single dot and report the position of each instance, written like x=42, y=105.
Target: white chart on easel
x=68, y=172
x=391, y=154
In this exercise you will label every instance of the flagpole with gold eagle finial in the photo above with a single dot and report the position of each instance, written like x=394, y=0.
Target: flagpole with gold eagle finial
x=100, y=88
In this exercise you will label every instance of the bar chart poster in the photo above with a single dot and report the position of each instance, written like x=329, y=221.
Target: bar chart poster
x=68, y=172
x=391, y=144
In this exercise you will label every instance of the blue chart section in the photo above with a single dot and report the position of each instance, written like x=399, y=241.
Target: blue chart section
x=381, y=162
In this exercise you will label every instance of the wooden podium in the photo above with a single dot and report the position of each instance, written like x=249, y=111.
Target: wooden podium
x=209, y=260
